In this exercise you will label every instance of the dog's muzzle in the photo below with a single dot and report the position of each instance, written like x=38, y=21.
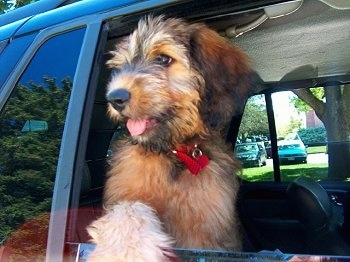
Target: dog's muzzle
x=118, y=98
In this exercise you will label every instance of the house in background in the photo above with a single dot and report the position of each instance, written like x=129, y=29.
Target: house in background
x=312, y=120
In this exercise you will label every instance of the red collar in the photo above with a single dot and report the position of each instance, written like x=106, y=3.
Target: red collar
x=192, y=157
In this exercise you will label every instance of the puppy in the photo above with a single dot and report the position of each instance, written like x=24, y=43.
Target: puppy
x=176, y=85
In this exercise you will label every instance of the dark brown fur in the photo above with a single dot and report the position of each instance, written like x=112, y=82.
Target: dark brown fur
x=191, y=99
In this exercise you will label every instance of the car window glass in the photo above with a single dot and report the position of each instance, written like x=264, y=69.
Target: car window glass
x=312, y=139
x=253, y=136
x=313, y=136
x=31, y=127
x=12, y=53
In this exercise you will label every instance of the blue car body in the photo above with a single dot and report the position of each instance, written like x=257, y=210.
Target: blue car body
x=292, y=151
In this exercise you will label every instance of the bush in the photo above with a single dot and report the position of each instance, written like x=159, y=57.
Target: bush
x=313, y=136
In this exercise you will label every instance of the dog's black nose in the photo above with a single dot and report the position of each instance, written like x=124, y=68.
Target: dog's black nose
x=118, y=98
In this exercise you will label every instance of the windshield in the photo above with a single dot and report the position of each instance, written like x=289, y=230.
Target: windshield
x=291, y=146
x=246, y=148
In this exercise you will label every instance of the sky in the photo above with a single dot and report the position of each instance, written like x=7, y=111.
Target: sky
x=284, y=109
x=60, y=63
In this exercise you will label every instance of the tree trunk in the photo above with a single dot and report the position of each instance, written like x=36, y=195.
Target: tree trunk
x=336, y=121
x=335, y=115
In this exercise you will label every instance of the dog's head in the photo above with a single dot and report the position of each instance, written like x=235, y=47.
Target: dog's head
x=173, y=81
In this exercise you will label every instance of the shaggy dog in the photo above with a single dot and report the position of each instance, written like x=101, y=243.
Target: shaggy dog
x=176, y=86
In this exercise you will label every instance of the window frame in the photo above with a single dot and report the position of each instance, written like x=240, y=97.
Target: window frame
x=67, y=167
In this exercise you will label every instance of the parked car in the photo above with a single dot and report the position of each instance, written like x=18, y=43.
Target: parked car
x=292, y=151
x=53, y=74
x=251, y=154
x=268, y=149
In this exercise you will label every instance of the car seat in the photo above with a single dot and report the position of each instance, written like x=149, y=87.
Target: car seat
x=320, y=216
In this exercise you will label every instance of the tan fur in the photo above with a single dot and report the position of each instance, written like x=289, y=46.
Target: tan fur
x=129, y=231
x=192, y=99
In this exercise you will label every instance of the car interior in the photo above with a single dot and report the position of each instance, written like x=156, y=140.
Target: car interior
x=296, y=44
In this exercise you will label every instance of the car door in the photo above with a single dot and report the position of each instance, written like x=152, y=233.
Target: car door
x=34, y=120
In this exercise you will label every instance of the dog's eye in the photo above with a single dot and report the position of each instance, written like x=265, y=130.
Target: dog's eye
x=163, y=60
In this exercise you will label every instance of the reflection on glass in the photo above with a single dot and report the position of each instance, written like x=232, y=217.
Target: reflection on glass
x=31, y=127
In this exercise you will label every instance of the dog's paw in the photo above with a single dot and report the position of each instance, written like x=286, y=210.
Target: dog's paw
x=130, y=231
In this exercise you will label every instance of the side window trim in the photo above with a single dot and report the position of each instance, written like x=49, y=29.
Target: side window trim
x=273, y=137
x=65, y=168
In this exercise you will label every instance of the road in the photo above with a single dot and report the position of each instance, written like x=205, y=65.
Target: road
x=320, y=158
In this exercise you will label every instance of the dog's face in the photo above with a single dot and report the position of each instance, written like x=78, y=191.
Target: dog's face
x=163, y=86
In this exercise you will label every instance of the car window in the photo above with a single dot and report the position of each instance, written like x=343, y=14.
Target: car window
x=254, y=128
x=31, y=127
x=12, y=53
x=312, y=138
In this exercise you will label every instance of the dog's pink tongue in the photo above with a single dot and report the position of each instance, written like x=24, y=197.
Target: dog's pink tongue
x=136, y=127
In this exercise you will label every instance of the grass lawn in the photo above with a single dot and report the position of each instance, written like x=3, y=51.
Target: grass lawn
x=316, y=149
x=288, y=172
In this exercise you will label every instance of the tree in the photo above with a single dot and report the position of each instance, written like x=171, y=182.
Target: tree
x=8, y=5
x=332, y=106
x=254, y=121
x=28, y=159
x=293, y=126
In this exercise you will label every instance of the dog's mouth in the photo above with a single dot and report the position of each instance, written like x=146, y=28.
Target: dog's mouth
x=140, y=126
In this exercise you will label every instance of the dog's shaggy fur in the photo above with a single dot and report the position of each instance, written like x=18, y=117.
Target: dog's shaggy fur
x=130, y=231
x=176, y=85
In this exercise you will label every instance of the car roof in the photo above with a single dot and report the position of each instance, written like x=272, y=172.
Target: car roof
x=30, y=10
x=312, y=43
x=52, y=13
x=289, y=142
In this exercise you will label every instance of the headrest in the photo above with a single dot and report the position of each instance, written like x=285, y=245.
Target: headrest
x=312, y=203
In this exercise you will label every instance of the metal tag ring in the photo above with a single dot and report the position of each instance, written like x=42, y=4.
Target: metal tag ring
x=196, y=153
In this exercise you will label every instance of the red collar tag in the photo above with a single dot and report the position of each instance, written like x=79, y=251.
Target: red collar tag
x=194, y=159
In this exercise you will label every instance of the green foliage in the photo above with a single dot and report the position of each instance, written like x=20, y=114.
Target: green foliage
x=5, y=5
x=254, y=121
x=301, y=106
x=20, y=3
x=313, y=135
x=28, y=159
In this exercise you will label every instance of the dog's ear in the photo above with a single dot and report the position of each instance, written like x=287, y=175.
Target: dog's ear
x=227, y=75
